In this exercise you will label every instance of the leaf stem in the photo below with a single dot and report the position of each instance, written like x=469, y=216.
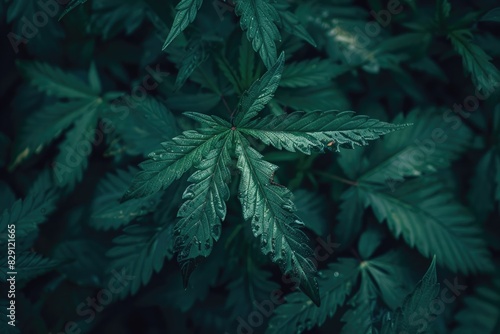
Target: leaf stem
x=225, y=104
x=337, y=178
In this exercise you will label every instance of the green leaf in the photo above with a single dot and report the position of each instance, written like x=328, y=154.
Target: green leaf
x=385, y=277
x=260, y=93
x=56, y=82
x=359, y=318
x=169, y=163
x=84, y=261
x=491, y=16
x=299, y=313
x=112, y=17
x=204, y=209
x=370, y=241
x=388, y=274
x=425, y=147
x=140, y=251
x=291, y=24
x=313, y=207
x=107, y=212
x=443, y=9
x=310, y=72
x=485, y=76
x=421, y=297
x=324, y=96
x=228, y=71
x=148, y=124
x=430, y=219
x=481, y=309
x=46, y=125
x=195, y=56
x=72, y=159
x=94, y=80
x=186, y=13
x=252, y=286
x=310, y=132
x=270, y=210
x=209, y=122
x=28, y=213
x=349, y=217
x=258, y=19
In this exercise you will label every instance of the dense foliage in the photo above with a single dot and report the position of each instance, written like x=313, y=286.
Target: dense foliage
x=250, y=166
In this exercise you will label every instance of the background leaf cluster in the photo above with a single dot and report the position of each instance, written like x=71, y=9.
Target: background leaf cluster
x=91, y=97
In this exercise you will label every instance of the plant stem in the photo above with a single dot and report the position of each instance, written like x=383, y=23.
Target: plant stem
x=337, y=178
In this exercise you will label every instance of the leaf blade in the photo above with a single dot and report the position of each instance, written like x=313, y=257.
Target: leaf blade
x=270, y=210
x=258, y=18
x=186, y=13
x=204, y=209
x=169, y=163
x=260, y=93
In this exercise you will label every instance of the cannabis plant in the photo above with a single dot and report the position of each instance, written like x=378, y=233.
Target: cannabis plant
x=250, y=166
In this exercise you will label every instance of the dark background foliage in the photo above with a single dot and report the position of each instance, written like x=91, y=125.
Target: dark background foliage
x=432, y=188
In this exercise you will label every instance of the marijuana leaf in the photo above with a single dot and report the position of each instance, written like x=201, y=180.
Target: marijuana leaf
x=108, y=212
x=204, y=209
x=70, y=6
x=314, y=131
x=260, y=93
x=186, y=13
x=485, y=75
x=26, y=214
x=481, y=310
x=421, y=297
x=258, y=19
x=422, y=208
x=266, y=205
x=55, y=82
x=140, y=251
x=270, y=210
x=169, y=163
x=422, y=148
x=82, y=111
x=194, y=57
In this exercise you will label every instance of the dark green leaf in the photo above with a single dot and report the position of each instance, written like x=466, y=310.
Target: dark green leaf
x=258, y=18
